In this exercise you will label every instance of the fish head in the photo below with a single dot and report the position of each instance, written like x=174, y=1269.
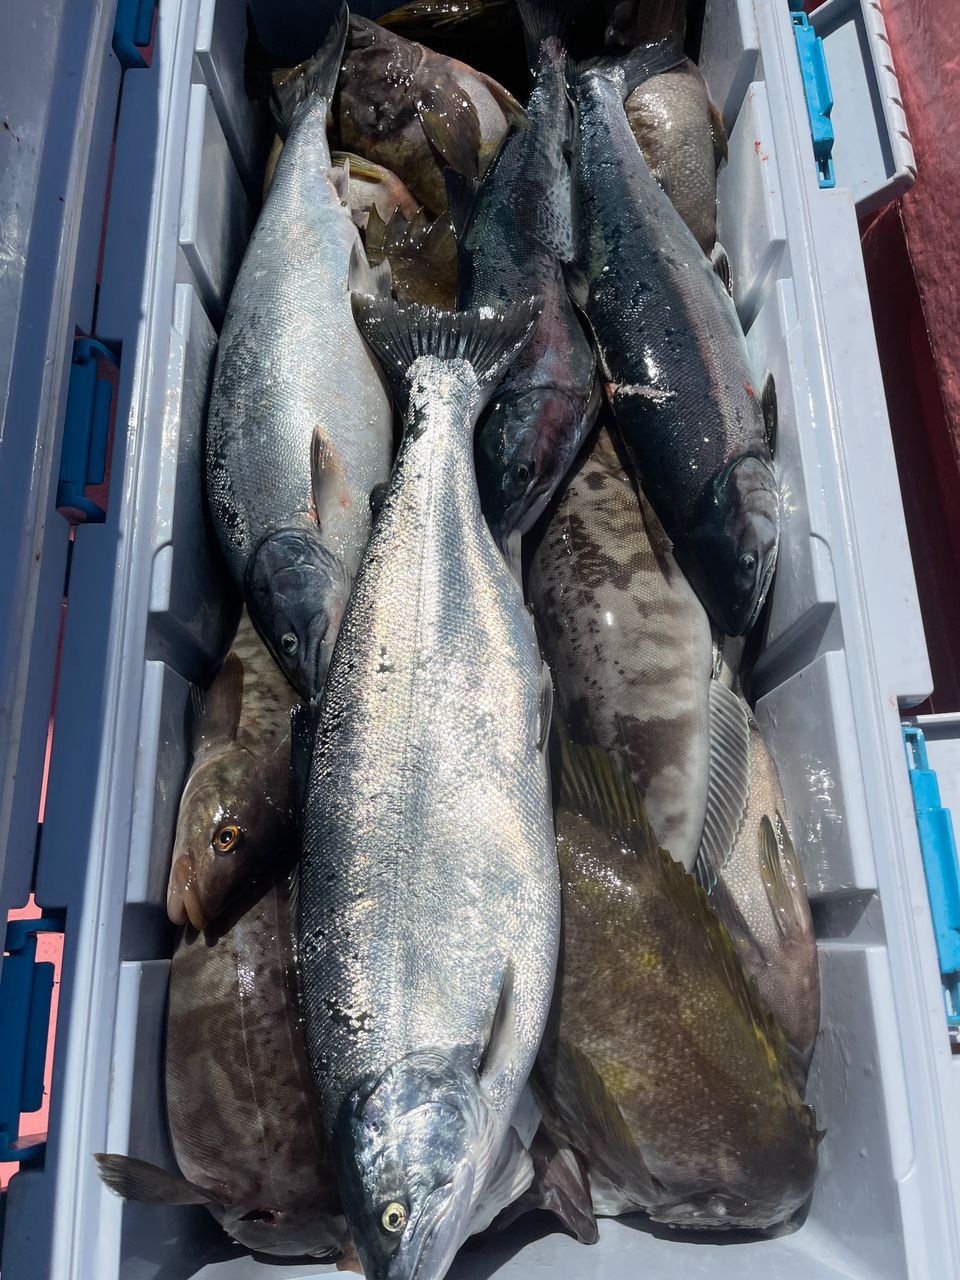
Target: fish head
x=730, y=551
x=296, y=590
x=525, y=443
x=407, y=1152
x=234, y=822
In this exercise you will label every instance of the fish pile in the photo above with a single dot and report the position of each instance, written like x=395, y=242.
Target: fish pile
x=486, y=890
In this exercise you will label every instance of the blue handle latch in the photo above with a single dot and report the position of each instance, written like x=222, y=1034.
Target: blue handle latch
x=939, y=849
x=87, y=431
x=816, y=86
x=25, y=992
x=133, y=32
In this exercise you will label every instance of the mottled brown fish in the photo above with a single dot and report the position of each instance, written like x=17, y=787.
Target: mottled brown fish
x=235, y=818
x=418, y=112
x=628, y=643
x=660, y=1068
x=243, y=1120
x=683, y=140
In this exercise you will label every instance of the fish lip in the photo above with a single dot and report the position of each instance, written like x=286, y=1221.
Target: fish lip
x=760, y=598
x=183, y=897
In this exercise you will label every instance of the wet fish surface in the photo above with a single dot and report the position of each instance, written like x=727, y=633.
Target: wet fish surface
x=761, y=896
x=512, y=244
x=417, y=111
x=240, y=1103
x=300, y=426
x=683, y=140
x=236, y=820
x=429, y=887
x=628, y=642
x=660, y=1067
x=672, y=355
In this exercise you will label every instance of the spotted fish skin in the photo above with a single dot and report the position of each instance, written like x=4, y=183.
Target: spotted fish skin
x=685, y=1108
x=300, y=425
x=672, y=121
x=240, y=1100
x=674, y=362
x=628, y=642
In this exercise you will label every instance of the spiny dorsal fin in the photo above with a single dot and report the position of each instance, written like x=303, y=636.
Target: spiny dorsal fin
x=594, y=784
x=728, y=786
x=487, y=339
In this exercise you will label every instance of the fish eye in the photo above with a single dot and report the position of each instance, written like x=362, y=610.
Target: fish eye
x=227, y=838
x=748, y=562
x=289, y=643
x=394, y=1217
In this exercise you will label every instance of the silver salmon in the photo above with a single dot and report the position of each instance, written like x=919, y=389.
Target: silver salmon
x=300, y=426
x=673, y=358
x=429, y=887
x=512, y=243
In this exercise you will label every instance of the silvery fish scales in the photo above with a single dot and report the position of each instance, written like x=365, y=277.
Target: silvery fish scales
x=429, y=884
x=299, y=432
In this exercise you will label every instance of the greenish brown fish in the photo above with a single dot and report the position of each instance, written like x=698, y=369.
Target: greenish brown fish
x=660, y=1066
x=235, y=817
x=629, y=646
x=240, y=1103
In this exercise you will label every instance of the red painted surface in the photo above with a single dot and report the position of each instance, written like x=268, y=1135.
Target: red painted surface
x=912, y=256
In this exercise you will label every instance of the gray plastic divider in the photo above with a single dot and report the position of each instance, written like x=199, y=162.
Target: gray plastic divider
x=842, y=644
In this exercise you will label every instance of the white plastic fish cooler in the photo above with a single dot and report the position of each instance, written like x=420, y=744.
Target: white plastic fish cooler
x=164, y=160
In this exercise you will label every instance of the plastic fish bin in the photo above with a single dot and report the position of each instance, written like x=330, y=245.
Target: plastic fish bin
x=177, y=165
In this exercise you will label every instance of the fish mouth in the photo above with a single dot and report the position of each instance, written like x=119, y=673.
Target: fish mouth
x=183, y=897
x=760, y=596
x=428, y=1256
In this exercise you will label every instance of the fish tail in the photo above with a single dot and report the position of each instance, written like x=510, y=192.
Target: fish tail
x=487, y=340
x=631, y=69
x=650, y=20
x=317, y=77
x=138, y=1180
x=546, y=20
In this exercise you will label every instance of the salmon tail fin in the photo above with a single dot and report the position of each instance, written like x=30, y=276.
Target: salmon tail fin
x=139, y=1180
x=315, y=78
x=628, y=71
x=546, y=20
x=488, y=339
